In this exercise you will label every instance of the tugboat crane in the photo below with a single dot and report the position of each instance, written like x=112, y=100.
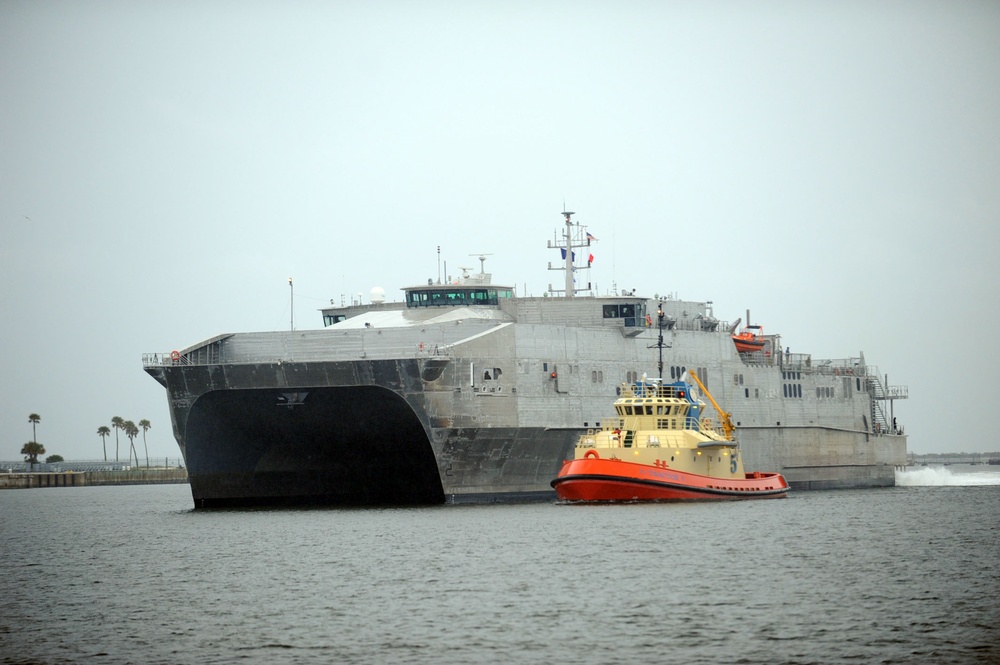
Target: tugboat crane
x=727, y=421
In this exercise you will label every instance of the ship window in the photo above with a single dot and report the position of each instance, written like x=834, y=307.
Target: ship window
x=784, y=390
x=600, y=376
x=593, y=376
x=611, y=311
x=649, y=410
x=858, y=382
x=626, y=310
x=746, y=392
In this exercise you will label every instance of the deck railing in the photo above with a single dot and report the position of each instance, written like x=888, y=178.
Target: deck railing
x=290, y=354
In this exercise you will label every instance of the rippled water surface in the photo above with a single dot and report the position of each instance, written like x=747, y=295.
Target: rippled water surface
x=132, y=574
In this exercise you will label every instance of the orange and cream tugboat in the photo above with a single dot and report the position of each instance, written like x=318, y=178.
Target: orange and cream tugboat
x=661, y=447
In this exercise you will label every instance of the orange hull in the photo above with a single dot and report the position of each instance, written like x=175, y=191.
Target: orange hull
x=747, y=344
x=615, y=480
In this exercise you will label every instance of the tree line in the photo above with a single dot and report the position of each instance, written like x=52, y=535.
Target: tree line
x=131, y=431
x=32, y=449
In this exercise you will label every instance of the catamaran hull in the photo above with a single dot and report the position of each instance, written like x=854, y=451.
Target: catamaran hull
x=615, y=480
x=474, y=410
x=358, y=445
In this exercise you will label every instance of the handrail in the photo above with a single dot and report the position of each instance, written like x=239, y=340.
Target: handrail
x=194, y=359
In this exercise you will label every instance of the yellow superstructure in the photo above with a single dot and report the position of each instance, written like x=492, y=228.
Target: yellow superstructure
x=664, y=426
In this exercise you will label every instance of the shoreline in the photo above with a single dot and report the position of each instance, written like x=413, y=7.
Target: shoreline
x=134, y=476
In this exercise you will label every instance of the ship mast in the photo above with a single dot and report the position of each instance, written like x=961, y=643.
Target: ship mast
x=568, y=237
x=568, y=244
x=659, y=340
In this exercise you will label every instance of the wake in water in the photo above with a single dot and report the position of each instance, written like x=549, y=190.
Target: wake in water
x=930, y=476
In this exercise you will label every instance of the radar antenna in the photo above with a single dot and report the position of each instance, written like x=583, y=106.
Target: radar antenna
x=482, y=260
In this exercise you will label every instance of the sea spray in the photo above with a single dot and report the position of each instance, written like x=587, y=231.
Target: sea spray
x=940, y=476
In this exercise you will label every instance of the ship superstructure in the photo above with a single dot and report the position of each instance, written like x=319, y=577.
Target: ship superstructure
x=465, y=391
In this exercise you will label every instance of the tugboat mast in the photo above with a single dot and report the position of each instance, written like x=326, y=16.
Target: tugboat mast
x=659, y=341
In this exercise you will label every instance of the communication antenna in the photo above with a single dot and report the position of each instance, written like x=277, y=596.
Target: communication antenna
x=659, y=340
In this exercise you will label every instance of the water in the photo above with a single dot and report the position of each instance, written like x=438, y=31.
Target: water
x=132, y=574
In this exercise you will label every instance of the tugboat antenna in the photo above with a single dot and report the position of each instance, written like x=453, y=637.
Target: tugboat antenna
x=659, y=340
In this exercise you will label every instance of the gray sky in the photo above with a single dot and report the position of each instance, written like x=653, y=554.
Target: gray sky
x=165, y=168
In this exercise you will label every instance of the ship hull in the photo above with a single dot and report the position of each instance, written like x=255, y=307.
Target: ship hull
x=482, y=405
x=358, y=445
x=608, y=480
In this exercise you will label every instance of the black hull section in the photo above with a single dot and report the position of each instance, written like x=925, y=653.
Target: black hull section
x=320, y=446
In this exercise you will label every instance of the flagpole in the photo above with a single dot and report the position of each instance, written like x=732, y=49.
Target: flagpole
x=291, y=304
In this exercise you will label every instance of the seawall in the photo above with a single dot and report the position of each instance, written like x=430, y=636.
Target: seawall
x=135, y=476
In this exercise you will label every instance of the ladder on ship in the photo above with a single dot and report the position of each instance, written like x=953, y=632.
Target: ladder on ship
x=882, y=394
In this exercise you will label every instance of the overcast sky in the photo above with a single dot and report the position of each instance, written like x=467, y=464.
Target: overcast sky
x=165, y=167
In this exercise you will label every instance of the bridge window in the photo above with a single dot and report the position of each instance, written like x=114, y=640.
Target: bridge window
x=456, y=296
x=632, y=313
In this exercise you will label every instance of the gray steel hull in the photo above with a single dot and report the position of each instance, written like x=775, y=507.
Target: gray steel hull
x=484, y=404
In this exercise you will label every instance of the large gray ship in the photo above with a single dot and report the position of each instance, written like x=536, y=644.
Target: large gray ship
x=467, y=392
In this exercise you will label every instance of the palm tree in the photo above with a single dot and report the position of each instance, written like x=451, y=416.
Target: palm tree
x=117, y=422
x=31, y=451
x=103, y=431
x=131, y=431
x=34, y=419
x=145, y=425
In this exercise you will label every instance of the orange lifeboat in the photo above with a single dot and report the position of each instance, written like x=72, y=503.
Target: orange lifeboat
x=749, y=340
